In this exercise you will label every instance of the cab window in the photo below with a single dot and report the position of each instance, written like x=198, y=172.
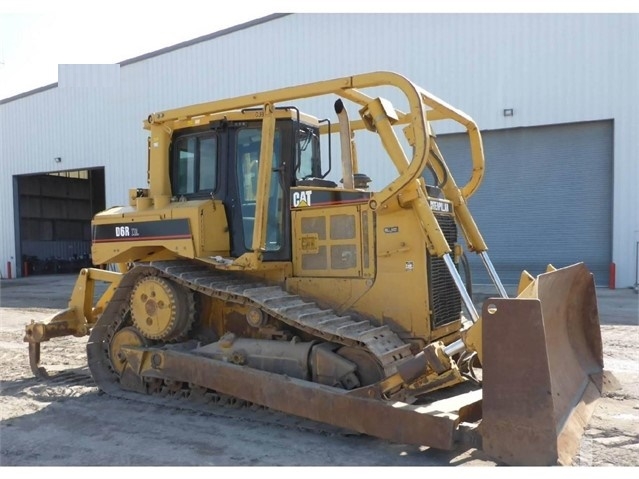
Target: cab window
x=308, y=150
x=195, y=165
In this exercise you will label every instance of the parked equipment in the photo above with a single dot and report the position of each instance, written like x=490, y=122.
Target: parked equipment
x=246, y=272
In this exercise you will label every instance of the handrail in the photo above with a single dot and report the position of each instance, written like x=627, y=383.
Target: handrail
x=379, y=116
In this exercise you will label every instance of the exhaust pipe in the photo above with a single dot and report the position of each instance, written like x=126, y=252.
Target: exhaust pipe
x=345, y=145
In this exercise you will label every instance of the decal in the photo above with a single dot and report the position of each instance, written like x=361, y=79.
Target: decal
x=308, y=244
x=302, y=199
x=126, y=231
x=410, y=266
x=391, y=229
x=440, y=206
x=142, y=231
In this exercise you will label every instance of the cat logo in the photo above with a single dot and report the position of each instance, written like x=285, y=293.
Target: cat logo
x=302, y=199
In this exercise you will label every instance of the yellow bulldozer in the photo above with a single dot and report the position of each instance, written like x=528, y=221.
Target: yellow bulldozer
x=244, y=271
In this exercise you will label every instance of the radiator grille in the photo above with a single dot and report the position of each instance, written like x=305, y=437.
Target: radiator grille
x=445, y=299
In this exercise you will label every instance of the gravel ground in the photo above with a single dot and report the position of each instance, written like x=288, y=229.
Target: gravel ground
x=68, y=422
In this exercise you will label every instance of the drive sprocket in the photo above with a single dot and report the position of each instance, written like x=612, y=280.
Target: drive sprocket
x=161, y=310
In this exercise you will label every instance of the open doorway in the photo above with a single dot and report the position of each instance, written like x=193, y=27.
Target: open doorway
x=54, y=212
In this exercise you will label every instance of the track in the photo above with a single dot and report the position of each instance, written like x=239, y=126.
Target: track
x=292, y=310
x=210, y=404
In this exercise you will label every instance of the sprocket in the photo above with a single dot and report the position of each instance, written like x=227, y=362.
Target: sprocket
x=161, y=310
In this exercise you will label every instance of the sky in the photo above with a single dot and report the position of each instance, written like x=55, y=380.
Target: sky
x=38, y=35
x=35, y=37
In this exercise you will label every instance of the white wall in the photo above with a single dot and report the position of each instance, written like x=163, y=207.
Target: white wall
x=550, y=68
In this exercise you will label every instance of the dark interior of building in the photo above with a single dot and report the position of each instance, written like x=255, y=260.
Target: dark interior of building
x=55, y=211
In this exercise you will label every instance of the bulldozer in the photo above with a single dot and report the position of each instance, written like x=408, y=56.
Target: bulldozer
x=242, y=270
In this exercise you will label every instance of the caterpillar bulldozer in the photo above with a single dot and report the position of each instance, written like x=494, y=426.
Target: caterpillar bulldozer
x=244, y=271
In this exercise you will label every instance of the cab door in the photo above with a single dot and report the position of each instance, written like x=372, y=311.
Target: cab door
x=245, y=140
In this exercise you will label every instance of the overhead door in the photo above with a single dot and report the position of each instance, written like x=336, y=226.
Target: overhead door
x=54, y=219
x=546, y=197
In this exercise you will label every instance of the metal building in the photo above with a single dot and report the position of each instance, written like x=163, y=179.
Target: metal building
x=552, y=93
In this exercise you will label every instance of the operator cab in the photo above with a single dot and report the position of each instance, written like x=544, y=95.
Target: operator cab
x=221, y=160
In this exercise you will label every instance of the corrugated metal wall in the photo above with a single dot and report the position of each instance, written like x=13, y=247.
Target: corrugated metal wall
x=549, y=68
x=546, y=197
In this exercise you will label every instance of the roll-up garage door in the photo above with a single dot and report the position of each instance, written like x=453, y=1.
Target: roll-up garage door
x=546, y=197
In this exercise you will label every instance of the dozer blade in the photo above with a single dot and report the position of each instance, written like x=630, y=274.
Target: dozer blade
x=542, y=369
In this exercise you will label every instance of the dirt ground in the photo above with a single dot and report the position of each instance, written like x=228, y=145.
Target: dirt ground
x=68, y=422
